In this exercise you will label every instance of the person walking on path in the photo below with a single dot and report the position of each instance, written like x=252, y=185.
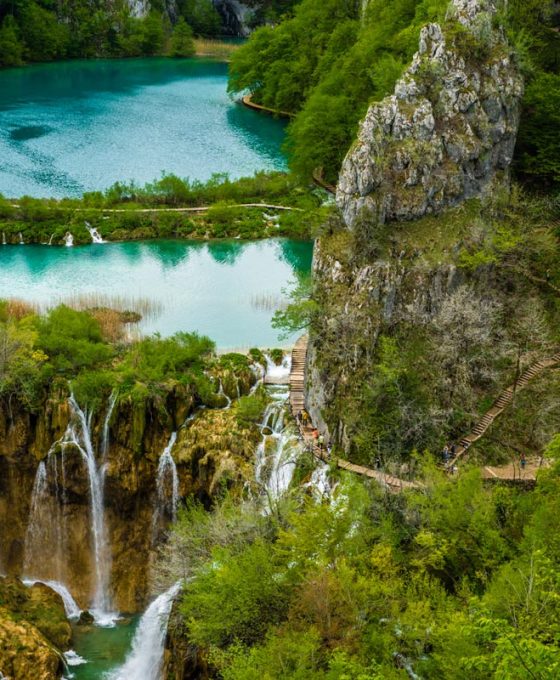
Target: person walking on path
x=523, y=461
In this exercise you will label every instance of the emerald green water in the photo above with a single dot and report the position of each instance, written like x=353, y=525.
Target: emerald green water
x=103, y=648
x=227, y=290
x=71, y=127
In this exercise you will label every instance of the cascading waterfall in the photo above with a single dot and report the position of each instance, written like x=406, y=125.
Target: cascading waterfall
x=71, y=607
x=279, y=448
x=81, y=437
x=145, y=660
x=223, y=394
x=167, y=490
x=68, y=240
x=3, y=238
x=20, y=238
x=95, y=235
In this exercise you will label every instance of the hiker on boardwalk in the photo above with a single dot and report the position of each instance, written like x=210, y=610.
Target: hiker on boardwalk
x=299, y=417
x=523, y=461
x=304, y=418
x=445, y=454
x=321, y=442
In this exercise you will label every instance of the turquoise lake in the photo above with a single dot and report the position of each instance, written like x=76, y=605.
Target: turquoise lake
x=71, y=127
x=227, y=290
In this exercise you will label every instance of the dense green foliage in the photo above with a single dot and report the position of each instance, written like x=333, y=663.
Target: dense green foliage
x=41, y=31
x=329, y=60
x=458, y=581
x=87, y=350
x=40, y=220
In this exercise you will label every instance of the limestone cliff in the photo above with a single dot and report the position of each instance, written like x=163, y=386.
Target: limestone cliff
x=426, y=280
x=54, y=540
x=447, y=133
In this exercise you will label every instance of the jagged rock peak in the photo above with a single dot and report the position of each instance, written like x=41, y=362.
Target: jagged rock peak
x=447, y=133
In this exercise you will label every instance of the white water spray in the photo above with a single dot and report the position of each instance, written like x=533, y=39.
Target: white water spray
x=80, y=436
x=68, y=240
x=145, y=660
x=95, y=235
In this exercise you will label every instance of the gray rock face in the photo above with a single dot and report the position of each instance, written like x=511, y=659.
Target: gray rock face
x=447, y=133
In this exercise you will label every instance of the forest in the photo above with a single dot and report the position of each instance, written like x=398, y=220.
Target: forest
x=328, y=61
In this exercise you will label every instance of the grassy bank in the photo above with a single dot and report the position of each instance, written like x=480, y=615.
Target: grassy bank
x=170, y=208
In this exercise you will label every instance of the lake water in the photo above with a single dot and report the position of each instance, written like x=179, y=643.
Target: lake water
x=71, y=127
x=227, y=290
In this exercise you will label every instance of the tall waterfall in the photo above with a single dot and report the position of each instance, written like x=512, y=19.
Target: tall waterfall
x=95, y=235
x=167, y=490
x=145, y=660
x=78, y=433
x=45, y=539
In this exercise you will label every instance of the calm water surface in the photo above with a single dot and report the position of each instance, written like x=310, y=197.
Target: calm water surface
x=103, y=648
x=227, y=290
x=71, y=127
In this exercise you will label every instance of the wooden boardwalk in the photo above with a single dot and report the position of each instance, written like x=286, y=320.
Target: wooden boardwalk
x=507, y=473
x=502, y=402
x=297, y=405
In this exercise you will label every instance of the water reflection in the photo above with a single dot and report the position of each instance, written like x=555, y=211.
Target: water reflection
x=228, y=290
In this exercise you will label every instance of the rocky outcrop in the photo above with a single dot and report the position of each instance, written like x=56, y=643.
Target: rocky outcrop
x=447, y=133
x=33, y=632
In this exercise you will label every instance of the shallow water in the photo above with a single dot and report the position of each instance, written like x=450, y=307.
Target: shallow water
x=103, y=648
x=227, y=290
x=71, y=127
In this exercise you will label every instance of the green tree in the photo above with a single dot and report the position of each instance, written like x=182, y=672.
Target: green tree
x=44, y=37
x=152, y=34
x=182, y=43
x=202, y=16
x=11, y=50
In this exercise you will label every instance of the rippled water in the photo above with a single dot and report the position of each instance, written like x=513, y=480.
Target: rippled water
x=71, y=127
x=225, y=289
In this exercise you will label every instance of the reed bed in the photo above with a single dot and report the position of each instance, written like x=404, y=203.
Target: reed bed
x=214, y=48
x=268, y=302
x=18, y=309
x=136, y=308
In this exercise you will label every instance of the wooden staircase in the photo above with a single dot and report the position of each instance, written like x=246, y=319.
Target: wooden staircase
x=502, y=402
x=297, y=405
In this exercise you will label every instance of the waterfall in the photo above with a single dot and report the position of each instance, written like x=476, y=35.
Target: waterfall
x=81, y=437
x=167, y=486
x=107, y=423
x=319, y=483
x=3, y=238
x=68, y=240
x=221, y=393
x=38, y=535
x=145, y=660
x=95, y=235
x=20, y=238
x=279, y=448
x=71, y=607
x=279, y=374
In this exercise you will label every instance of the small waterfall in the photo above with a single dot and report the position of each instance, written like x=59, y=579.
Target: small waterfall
x=145, y=660
x=95, y=235
x=167, y=486
x=107, y=423
x=319, y=483
x=68, y=239
x=70, y=605
x=223, y=394
x=278, y=373
x=279, y=449
x=80, y=436
x=50, y=240
x=38, y=536
x=20, y=238
x=3, y=238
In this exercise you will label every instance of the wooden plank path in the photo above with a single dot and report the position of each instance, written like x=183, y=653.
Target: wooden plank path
x=297, y=405
x=502, y=402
